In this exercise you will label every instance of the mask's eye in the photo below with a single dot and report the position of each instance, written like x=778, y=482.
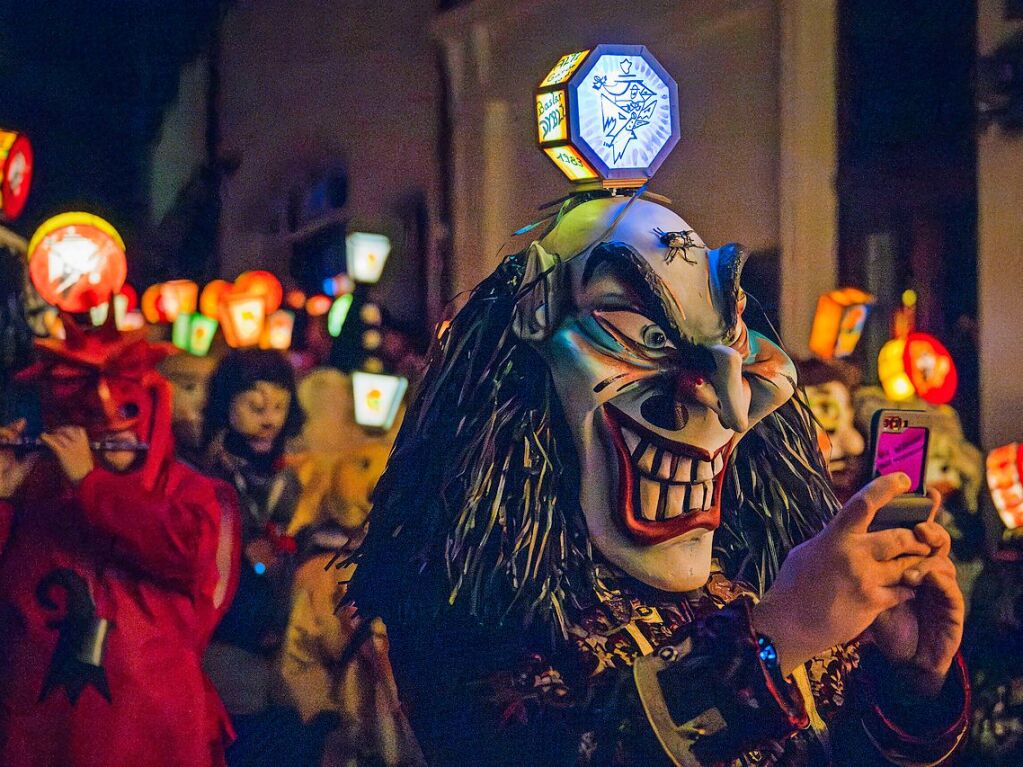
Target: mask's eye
x=634, y=330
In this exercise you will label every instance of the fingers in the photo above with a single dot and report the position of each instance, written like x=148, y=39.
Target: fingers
x=12, y=430
x=893, y=571
x=938, y=564
x=859, y=512
x=893, y=596
x=935, y=536
x=897, y=542
x=935, y=497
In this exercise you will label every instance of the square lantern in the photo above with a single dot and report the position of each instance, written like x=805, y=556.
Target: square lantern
x=377, y=399
x=98, y=314
x=838, y=322
x=242, y=316
x=1003, y=480
x=277, y=331
x=608, y=116
x=178, y=297
x=194, y=333
x=366, y=253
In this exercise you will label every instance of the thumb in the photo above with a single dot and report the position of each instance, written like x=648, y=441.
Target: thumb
x=861, y=509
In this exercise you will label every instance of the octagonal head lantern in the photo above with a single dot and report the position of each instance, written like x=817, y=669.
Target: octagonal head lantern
x=608, y=116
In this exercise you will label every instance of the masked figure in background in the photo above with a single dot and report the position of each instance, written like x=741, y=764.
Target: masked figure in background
x=603, y=469
x=189, y=377
x=119, y=564
x=250, y=413
x=333, y=664
x=829, y=387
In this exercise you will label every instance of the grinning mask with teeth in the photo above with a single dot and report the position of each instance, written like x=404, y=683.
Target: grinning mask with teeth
x=658, y=376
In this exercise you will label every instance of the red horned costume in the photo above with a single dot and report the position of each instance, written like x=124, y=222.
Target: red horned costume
x=110, y=588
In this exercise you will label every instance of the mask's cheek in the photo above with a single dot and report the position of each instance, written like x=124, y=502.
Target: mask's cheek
x=771, y=375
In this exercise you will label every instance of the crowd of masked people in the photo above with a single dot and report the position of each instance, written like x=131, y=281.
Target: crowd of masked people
x=184, y=609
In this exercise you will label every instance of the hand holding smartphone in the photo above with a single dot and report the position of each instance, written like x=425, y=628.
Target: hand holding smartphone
x=899, y=441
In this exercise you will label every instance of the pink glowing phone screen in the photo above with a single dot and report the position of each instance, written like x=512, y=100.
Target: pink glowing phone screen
x=904, y=451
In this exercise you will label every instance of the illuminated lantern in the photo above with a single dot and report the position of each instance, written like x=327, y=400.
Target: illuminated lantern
x=930, y=368
x=179, y=297
x=365, y=255
x=338, y=314
x=1003, y=480
x=132, y=295
x=193, y=332
x=838, y=322
x=133, y=321
x=98, y=314
x=295, y=299
x=15, y=173
x=891, y=369
x=209, y=299
x=339, y=284
x=377, y=398
x=261, y=283
x=76, y=261
x=318, y=305
x=242, y=317
x=151, y=304
x=278, y=329
x=608, y=116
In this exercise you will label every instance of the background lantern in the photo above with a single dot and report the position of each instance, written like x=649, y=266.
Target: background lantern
x=76, y=261
x=377, y=398
x=241, y=317
x=194, y=332
x=295, y=299
x=318, y=305
x=838, y=322
x=608, y=116
x=98, y=314
x=277, y=331
x=891, y=369
x=338, y=314
x=209, y=299
x=179, y=297
x=930, y=368
x=1004, y=482
x=16, y=162
x=151, y=304
x=366, y=254
x=262, y=283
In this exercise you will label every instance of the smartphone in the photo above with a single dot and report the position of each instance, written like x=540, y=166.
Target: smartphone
x=899, y=440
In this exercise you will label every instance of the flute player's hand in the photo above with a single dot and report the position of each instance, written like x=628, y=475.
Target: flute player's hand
x=12, y=469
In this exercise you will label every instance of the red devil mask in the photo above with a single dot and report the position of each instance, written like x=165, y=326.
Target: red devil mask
x=105, y=381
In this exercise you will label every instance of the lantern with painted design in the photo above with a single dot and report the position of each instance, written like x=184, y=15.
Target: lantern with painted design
x=178, y=297
x=194, y=332
x=277, y=331
x=242, y=316
x=1004, y=469
x=16, y=162
x=377, y=398
x=366, y=254
x=838, y=322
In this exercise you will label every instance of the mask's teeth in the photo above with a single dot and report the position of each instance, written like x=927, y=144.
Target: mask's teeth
x=719, y=463
x=645, y=462
x=676, y=504
x=702, y=471
x=696, y=496
x=649, y=498
x=663, y=461
x=683, y=469
x=631, y=440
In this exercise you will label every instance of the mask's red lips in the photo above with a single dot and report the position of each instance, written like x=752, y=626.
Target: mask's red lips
x=650, y=532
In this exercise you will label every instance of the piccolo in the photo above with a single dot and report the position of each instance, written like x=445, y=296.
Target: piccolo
x=29, y=444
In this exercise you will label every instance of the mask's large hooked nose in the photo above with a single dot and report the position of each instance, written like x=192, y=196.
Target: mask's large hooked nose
x=732, y=389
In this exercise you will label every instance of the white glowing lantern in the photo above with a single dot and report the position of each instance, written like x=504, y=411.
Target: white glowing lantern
x=366, y=254
x=278, y=330
x=98, y=314
x=377, y=398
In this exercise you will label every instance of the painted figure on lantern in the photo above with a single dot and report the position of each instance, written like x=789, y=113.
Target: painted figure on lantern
x=119, y=563
x=607, y=536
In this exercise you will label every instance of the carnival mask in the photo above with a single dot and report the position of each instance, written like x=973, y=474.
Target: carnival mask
x=258, y=414
x=105, y=381
x=831, y=403
x=659, y=377
x=189, y=376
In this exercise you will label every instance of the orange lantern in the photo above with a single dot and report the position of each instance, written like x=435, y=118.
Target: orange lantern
x=15, y=173
x=318, y=305
x=261, y=283
x=891, y=369
x=241, y=318
x=76, y=261
x=295, y=299
x=930, y=367
x=151, y=304
x=277, y=333
x=179, y=297
x=1003, y=480
x=838, y=322
x=209, y=300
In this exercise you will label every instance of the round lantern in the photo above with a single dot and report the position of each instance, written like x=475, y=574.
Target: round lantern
x=295, y=299
x=76, y=261
x=179, y=297
x=261, y=283
x=930, y=368
x=318, y=305
x=15, y=173
x=209, y=299
x=151, y=304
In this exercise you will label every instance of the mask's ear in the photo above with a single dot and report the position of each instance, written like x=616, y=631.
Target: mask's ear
x=537, y=307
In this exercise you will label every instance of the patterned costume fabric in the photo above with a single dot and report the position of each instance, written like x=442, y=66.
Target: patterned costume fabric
x=578, y=705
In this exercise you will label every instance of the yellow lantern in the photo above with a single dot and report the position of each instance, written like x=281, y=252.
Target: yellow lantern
x=178, y=297
x=838, y=322
x=891, y=369
x=278, y=329
x=242, y=316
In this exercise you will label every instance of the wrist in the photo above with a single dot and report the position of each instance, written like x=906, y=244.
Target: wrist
x=777, y=624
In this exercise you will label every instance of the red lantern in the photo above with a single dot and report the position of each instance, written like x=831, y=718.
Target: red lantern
x=930, y=368
x=16, y=169
x=264, y=284
x=1003, y=479
x=76, y=261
